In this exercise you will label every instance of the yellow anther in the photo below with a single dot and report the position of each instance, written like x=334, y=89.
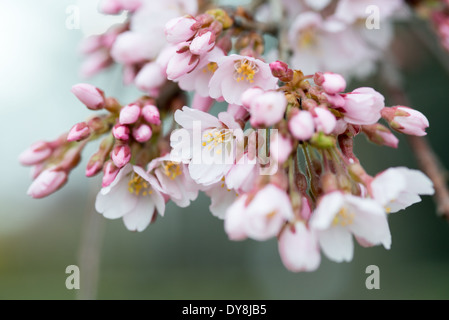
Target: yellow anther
x=343, y=218
x=172, y=169
x=245, y=70
x=139, y=186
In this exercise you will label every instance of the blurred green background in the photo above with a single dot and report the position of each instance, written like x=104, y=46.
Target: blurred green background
x=186, y=254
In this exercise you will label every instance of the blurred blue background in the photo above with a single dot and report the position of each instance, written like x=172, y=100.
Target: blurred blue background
x=186, y=254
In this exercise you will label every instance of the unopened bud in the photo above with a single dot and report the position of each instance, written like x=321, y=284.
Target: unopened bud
x=90, y=96
x=121, y=155
x=142, y=133
x=79, y=131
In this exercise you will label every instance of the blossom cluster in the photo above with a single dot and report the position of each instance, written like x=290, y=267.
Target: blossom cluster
x=278, y=162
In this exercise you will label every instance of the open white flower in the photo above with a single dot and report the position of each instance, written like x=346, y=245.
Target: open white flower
x=131, y=196
x=174, y=180
x=397, y=188
x=207, y=143
x=339, y=215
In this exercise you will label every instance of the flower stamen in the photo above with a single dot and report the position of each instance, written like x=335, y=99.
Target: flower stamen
x=245, y=70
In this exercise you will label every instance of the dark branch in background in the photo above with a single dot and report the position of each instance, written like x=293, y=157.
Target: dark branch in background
x=269, y=28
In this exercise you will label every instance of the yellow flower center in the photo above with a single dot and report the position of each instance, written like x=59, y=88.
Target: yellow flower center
x=216, y=138
x=172, y=169
x=343, y=218
x=306, y=38
x=211, y=67
x=139, y=186
x=245, y=70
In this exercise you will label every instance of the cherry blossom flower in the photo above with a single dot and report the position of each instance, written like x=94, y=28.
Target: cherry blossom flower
x=363, y=106
x=131, y=196
x=299, y=249
x=397, y=188
x=339, y=215
x=260, y=218
x=236, y=74
x=406, y=120
x=174, y=180
x=211, y=156
x=198, y=80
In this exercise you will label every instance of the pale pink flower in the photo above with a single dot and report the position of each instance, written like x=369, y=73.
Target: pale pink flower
x=179, y=29
x=339, y=215
x=243, y=174
x=47, y=182
x=406, y=120
x=249, y=96
x=298, y=248
x=131, y=196
x=397, y=188
x=350, y=11
x=324, y=120
x=37, y=153
x=202, y=44
x=301, y=125
x=221, y=198
x=236, y=74
x=260, y=218
x=212, y=153
x=95, y=63
x=174, y=180
x=317, y=5
x=327, y=44
x=90, y=96
x=238, y=112
x=340, y=127
x=133, y=47
x=198, y=79
x=181, y=63
x=363, y=106
x=267, y=109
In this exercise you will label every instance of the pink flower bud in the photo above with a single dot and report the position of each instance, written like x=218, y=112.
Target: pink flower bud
x=35, y=154
x=79, y=131
x=142, y=133
x=129, y=114
x=181, y=64
x=406, y=120
x=95, y=62
x=93, y=168
x=281, y=70
x=301, y=125
x=202, y=103
x=202, y=43
x=179, y=29
x=249, y=95
x=90, y=96
x=280, y=147
x=379, y=134
x=110, y=172
x=46, y=183
x=121, y=155
x=363, y=106
x=151, y=114
x=333, y=83
x=268, y=108
x=324, y=121
x=120, y=132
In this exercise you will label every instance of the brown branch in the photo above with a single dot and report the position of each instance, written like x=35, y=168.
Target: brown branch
x=270, y=28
